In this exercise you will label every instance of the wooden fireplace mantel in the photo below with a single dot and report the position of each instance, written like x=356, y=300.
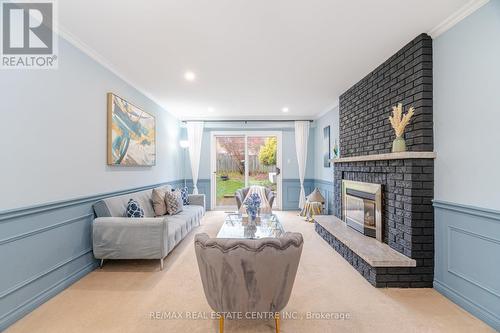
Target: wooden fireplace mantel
x=385, y=157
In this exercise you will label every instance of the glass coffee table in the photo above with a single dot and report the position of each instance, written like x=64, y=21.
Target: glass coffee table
x=236, y=227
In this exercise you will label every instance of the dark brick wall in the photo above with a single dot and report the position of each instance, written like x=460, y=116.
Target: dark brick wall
x=408, y=218
x=406, y=78
x=407, y=185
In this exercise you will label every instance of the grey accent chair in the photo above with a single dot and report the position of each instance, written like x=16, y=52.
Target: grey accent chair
x=248, y=275
x=241, y=194
x=115, y=236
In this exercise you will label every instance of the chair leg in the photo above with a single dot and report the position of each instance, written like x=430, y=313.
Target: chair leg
x=221, y=324
x=161, y=264
x=101, y=263
x=277, y=322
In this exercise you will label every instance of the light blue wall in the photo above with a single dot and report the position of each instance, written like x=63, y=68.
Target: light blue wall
x=323, y=177
x=54, y=133
x=54, y=150
x=331, y=119
x=466, y=110
x=467, y=177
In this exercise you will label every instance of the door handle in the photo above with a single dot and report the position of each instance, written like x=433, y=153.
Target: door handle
x=278, y=171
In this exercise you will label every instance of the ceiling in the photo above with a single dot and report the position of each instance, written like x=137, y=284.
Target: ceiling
x=251, y=58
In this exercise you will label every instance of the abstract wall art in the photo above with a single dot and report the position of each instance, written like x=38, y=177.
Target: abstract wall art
x=131, y=134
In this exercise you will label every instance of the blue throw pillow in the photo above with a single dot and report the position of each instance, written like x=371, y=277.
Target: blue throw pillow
x=184, y=195
x=134, y=209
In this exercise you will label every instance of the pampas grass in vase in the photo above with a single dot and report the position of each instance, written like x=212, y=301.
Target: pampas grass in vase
x=399, y=121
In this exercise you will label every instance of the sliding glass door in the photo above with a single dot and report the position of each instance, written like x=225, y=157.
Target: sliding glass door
x=230, y=168
x=241, y=160
x=262, y=164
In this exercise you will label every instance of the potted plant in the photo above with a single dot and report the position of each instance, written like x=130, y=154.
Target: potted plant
x=399, y=121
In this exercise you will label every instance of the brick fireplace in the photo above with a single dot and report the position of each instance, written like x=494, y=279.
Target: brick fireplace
x=406, y=179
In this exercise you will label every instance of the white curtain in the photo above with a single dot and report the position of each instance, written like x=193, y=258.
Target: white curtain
x=195, y=136
x=301, y=138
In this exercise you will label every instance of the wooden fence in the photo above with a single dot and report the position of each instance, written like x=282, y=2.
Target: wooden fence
x=227, y=164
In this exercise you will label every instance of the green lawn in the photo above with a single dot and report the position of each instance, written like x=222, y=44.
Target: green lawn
x=229, y=186
x=235, y=182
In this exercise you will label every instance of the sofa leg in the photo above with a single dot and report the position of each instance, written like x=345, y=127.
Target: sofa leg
x=101, y=263
x=161, y=264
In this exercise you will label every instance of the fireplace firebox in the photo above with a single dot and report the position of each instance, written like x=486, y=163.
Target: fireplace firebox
x=361, y=205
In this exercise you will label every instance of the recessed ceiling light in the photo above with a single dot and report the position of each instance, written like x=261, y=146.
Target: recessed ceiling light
x=285, y=110
x=189, y=76
x=210, y=109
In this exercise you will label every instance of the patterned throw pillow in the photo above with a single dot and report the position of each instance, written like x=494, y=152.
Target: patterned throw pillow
x=174, y=202
x=134, y=209
x=184, y=196
x=159, y=205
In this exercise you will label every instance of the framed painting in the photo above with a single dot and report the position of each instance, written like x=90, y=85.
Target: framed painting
x=131, y=134
x=326, y=147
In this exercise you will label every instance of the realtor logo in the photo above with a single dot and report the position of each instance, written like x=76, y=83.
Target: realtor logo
x=28, y=38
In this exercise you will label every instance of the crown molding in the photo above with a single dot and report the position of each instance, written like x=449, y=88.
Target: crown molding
x=85, y=48
x=243, y=118
x=322, y=113
x=456, y=17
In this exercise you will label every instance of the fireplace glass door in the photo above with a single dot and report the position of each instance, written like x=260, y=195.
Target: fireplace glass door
x=361, y=206
x=360, y=214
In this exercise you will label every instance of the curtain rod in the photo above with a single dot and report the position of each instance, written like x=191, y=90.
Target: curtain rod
x=250, y=120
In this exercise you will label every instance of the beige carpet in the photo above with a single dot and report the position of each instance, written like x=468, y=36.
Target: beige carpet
x=121, y=297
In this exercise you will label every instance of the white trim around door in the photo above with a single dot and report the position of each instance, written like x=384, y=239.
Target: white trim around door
x=246, y=134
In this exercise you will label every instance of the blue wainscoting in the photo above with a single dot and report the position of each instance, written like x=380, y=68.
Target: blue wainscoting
x=468, y=258
x=43, y=250
x=291, y=192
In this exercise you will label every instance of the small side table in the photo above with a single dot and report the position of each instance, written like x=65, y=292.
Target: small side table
x=311, y=208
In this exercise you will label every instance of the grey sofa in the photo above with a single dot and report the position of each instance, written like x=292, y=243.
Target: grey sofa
x=241, y=194
x=248, y=275
x=116, y=236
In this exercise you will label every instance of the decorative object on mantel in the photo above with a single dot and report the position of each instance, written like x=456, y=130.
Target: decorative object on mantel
x=399, y=123
x=335, y=149
x=313, y=205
